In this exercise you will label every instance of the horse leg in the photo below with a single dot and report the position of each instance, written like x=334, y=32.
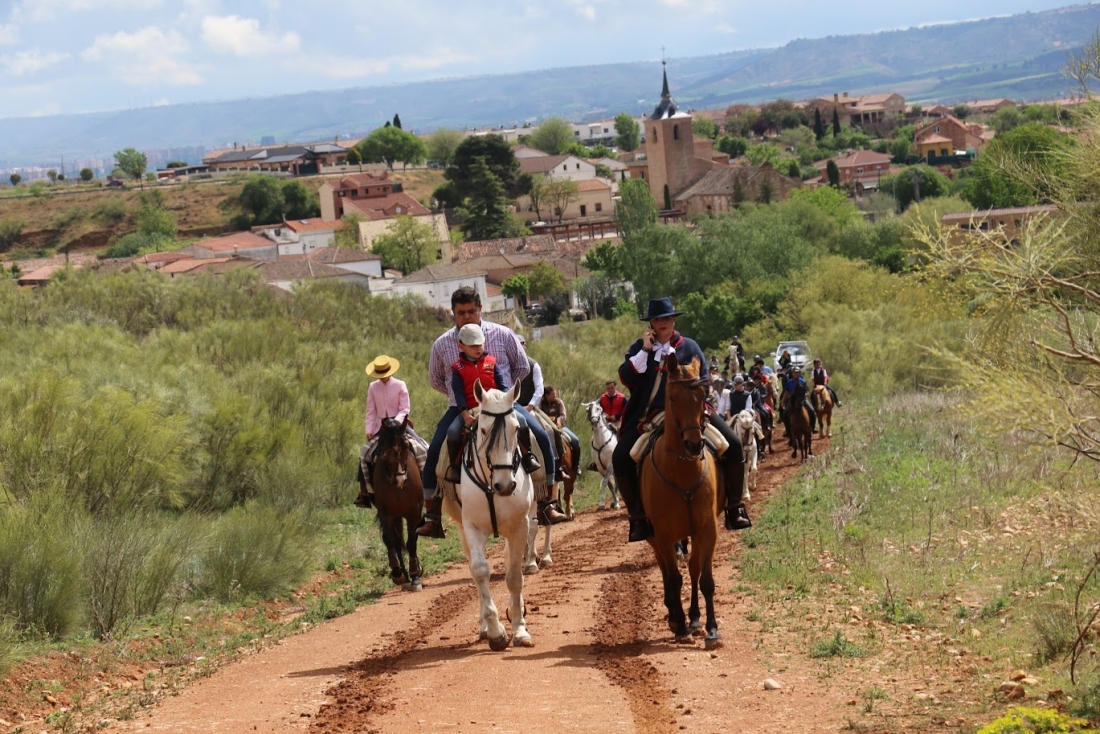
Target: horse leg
x=490, y=626
x=614, y=488
x=547, y=561
x=415, y=569
x=673, y=585
x=693, y=571
x=513, y=576
x=599, y=493
x=392, y=541
x=530, y=558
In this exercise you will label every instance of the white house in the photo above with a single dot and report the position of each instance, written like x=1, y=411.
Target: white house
x=436, y=283
x=300, y=236
x=288, y=275
x=364, y=263
x=593, y=133
x=559, y=166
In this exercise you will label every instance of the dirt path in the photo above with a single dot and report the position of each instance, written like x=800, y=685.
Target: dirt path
x=603, y=659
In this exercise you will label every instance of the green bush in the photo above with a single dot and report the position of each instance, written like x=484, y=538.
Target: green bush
x=110, y=210
x=837, y=647
x=256, y=551
x=1023, y=720
x=11, y=647
x=134, y=244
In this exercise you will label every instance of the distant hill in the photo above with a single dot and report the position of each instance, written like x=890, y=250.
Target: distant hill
x=1019, y=57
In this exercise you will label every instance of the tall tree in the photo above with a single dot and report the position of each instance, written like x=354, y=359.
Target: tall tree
x=560, y=193
x=486, y=210
x=832, y=173
x=704, y=127
x=819, y=125
x=132, y=163
x=397, y=120
x=392, y=144
x=545, y=280
x=636, y=209
x=408, y=244
x=836, y=122
x=497, y=155
x=627, y=135
x=442, y=145
x=86, y=174
x=15, y=178
x=552, y=136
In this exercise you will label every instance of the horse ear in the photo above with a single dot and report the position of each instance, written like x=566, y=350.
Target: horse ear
x=405, y=423
x=513, y=394
x=479, y=391
x=691, y=369
x=672, y=364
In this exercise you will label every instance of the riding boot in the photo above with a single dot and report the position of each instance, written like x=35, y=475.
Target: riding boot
x=737, y=517
x=549, y=510
x=530, y=463
x=559, y=466
x=813, y=414
x=454, y=469
x=640, y=527
x=366, y=492
x=836, y=400
x=432, y=524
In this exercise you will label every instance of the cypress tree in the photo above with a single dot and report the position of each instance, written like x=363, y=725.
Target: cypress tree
x=833, y=174
x=819, y=126
x=397, y=120
x=794, y=171
x=836, y=122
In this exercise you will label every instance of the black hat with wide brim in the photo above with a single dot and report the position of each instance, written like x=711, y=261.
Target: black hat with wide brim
x=660, y=308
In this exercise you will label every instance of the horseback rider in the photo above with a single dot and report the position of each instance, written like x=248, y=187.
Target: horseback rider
x=759, y=390
x=758, y=361
x=554, y=408
x=511, y=360
x=735, y=360
x=795, y=381
x=821, y=377
x=387, y=397
x=643, y=373
x=613, y=403
x=531, y=392
x=740, y=399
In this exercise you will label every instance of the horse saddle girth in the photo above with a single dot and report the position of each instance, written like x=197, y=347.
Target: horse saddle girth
x=713, y=438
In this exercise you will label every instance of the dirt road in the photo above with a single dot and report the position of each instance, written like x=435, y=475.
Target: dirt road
x=603, y=659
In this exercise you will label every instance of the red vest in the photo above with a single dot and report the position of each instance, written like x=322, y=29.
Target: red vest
x=484, y=369
x=613, y=405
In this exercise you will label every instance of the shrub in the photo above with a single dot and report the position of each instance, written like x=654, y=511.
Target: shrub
x=10, y=229
x=256, y=551
x=111, y=210
x=1036, y=721
x=1055, y=631
x=837, y=647
x=132, y=244
x=10, y=644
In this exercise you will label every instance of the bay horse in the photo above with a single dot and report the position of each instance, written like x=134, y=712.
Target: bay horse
x=681, y=494
x=495, y=497
x=799, y=428
x=398, y=496
x=823, y=406
x=766, y=442
x=604, y=441
x=744, y=425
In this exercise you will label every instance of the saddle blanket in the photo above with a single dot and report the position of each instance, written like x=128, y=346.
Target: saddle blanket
x=417, y=448
x=712, y=435
x=450, y=491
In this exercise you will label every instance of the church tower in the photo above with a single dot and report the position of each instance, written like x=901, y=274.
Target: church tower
x=669, y=149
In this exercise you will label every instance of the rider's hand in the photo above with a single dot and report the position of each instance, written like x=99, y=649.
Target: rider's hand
x=648, y=338
x=468, y=417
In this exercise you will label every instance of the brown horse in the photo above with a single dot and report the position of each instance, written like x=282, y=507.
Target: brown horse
x=398, y=495
x=681, y=494
x=823, y=406
x=800, y=431
x=766, y=442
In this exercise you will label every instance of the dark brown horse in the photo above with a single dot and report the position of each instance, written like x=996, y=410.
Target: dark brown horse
x=800, y=431
x=398, y=495
x=681, y=494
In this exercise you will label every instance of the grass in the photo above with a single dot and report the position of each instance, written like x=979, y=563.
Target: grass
x=836, y=646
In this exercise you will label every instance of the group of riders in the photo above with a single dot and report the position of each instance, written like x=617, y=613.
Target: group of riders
x=475, y=349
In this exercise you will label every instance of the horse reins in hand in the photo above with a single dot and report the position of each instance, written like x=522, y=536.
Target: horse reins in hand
x=471, y=466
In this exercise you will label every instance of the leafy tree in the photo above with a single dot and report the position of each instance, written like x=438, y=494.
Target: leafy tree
x=832, y=172
x=15, y=178
x=132, y=163
x=86, y=174
x=794, y=171
x=392, y=144
x=831, y=201
x=914, y=184
x=552, y=136
x=446, y=197
x=710, y=319
x=299, y=202
x=765, y=191
x=636, y=209
x=627, y=132
x=10, y=229
x=347, y=235
x=1005, y=119
x=176, y=164
x=604, y=171
x=836, y=122
x=487, y=210
x=545, y=280
x=782, y=114
x=819, y=125
x=407, y=244
x=497, y=155
x=961, y=111
x=397, y=120
x=763, y=153
x=916, y=109
x=261, y=201
x=354, y=158
x=732, y=146
x=603, y=258
x=517, y=286
x=704, y=127
x=560, y=193
x=52, y=175
x=740, y=120
x=156, y=222
x=899, y=150
x=1018, y=168
x=442, y=145
x=538, y=194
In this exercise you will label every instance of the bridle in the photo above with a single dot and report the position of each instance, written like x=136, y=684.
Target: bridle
x=693, y=383
x=398, y=444
x=480, y=471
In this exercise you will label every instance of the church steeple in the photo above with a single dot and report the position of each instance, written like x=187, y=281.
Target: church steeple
x=666, y=107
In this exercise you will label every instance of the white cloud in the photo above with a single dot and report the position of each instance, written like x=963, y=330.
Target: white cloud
x=243, y=37
x=30, y=62
x=39, y=10
x=145, y=57
x=587, y=12
x=9, y=34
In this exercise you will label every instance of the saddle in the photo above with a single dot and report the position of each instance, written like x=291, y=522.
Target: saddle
x=450, y=491
x=655, y=426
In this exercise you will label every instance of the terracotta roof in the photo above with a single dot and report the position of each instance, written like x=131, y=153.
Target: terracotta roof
x=301, y=270
x=593, y=184
x=934, y=139
x=384, y=207
x=436, y=273
x=358, y=180
x=160, y=257
x=879, y=98
x=191, y=264
x=526, y=151
x=40, y=275
x=540, y=164
x=1010, y=212
x=237, y=241
x=338, y=255
x=861, y=158
x=720, y=182
x=512, y=246
x=311, y=225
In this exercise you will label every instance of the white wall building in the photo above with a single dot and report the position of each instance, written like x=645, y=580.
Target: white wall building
x=436, y=283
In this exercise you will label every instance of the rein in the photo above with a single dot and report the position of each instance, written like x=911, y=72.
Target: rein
x=474, y=467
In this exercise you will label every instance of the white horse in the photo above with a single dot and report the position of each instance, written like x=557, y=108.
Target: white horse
x=744, y=425
x=495, y=495
x=604, y=441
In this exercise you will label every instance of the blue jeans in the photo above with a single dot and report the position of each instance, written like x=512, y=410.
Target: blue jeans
x=430, y=480
x=542, y=439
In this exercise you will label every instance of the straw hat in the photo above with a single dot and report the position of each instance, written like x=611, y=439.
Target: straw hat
x=382, y=366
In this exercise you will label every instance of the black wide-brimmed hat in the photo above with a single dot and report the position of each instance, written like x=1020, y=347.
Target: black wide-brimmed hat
x=659, y=308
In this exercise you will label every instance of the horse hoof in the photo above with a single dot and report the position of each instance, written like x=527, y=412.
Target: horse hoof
x=531, y=569
x=547, y=562
x=483, y=635
x=712, y=642
x=615, y=505
x=685, y=639
x=413, y=586
x=497, y=644
x=696, y=625
x=523, y=641
x=600, y=507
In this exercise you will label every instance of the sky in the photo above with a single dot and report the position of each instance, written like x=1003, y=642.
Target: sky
x=71, y=56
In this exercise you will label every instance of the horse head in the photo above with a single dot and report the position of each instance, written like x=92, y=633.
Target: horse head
x=496, y=442
x=393, y=450
x=595, y=412
x=744, y=423
x=685, y=400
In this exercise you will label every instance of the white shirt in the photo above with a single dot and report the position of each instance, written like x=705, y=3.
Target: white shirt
x=536, y=375
x=641, y=359
x=723, y=402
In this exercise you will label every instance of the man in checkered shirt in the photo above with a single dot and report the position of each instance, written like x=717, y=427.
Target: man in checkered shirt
x=502, y=343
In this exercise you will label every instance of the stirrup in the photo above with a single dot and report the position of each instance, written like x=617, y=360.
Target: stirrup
x=737, y=518
x=364, y=500
x=431, y=527
x=550, y=514
x=530, y=463
x=640, y=529
x=454, y=474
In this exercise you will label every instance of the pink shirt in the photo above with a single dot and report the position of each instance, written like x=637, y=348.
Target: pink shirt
x=386, y=399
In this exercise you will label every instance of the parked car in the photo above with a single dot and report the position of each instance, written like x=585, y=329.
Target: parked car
x=799, y=351
x=116, y=183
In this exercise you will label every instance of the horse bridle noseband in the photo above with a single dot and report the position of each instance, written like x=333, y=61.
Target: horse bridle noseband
x=473, y=466
x=691, y=382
